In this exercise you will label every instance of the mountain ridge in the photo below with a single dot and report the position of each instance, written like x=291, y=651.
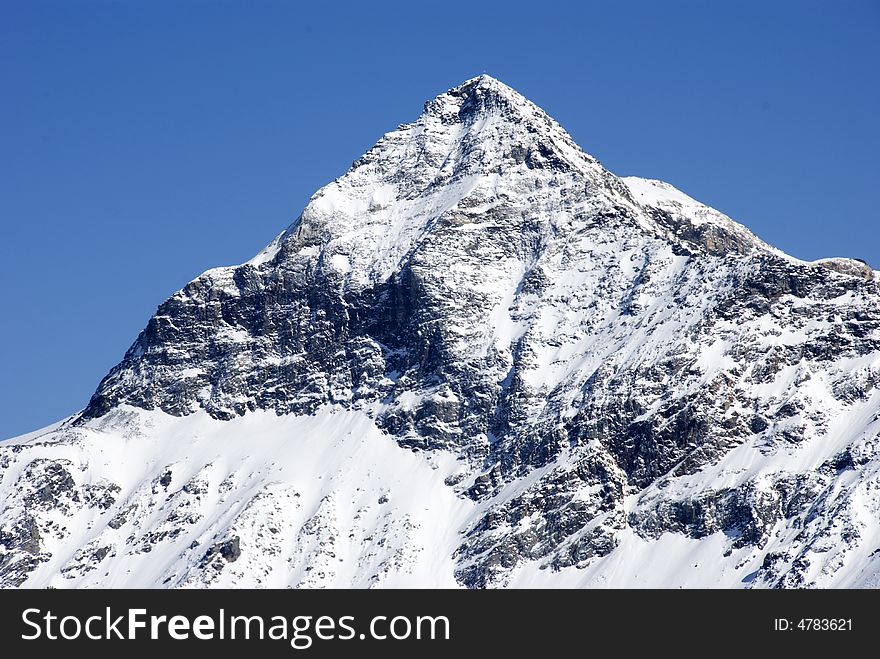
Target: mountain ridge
x=605, y=361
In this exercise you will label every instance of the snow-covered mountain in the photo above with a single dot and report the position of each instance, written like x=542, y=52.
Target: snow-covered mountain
x=478, y=358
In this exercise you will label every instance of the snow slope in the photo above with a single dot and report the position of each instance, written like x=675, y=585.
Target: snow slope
x=145, y=500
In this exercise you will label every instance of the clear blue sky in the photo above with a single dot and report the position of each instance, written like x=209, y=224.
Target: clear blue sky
x=142, y=143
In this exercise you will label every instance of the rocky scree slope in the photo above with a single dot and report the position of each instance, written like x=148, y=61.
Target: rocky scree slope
x=597, y=369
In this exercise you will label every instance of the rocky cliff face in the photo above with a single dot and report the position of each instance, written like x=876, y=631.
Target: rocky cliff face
x=612, y=367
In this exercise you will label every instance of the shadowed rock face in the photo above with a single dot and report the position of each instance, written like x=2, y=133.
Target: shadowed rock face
x=587, y=345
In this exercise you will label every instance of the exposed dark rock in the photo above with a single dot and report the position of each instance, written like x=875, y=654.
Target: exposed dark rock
x=228, y=550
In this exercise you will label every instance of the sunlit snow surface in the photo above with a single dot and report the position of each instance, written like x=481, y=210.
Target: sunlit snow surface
x=325, y=500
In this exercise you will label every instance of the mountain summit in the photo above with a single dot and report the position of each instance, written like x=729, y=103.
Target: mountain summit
x=476, y=358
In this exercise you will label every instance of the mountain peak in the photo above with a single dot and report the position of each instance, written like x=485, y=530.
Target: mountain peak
x=481, y=96
x=477, y=358
x=485, y=83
